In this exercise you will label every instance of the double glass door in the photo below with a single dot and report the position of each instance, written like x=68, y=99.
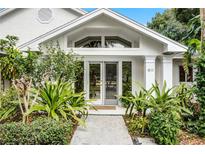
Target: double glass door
x=103, y=79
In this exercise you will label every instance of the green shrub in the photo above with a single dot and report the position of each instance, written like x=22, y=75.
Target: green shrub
x=196, y=124
x=138, y=125
x=8, y=104
x=164, y=127
x=42, y=131
x=200, y=80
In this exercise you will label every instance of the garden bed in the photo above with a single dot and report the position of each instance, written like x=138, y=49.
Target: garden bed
x=185, y=137
x=190, y=139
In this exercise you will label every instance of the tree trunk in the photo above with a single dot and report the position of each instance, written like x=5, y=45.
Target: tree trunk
x=202, y=17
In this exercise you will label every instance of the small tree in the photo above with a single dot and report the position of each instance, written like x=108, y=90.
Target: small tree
x=17, y=67
x=57, y=63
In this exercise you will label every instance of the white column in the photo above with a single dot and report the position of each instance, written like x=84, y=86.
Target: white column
x=167, y=71
x=149, y=71
x=120, y=78
x=86, y=79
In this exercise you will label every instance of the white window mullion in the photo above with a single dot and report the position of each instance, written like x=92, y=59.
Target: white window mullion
x=103, y=41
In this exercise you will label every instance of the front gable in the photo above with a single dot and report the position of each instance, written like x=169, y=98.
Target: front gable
x=165, y=44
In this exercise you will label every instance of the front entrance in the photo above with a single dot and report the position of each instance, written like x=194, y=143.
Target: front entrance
x=103, y=79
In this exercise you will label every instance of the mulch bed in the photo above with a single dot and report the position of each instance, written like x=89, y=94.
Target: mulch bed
x=190, y=139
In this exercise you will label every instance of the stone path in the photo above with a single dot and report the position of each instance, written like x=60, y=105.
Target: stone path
x=102, y=130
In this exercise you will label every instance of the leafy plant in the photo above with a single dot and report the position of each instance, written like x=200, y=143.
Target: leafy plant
x=138, y=125
x=164, y=127
x=57, y=99
x=14, y=64
x=199, y=89
x=8, y=104
x=56, y=63
x=43, y=131
x=138, y=103
x=185, y=95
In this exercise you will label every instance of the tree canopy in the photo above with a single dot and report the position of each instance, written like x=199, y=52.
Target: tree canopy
x=174, y=23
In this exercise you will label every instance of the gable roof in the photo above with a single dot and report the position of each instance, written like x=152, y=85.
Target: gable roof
x=172, y=45
x=8, y=10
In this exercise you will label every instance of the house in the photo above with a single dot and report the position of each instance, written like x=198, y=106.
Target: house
x=117, y=52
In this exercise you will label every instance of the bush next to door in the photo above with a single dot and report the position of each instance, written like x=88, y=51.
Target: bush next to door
x=42, y=131
x=164, y=128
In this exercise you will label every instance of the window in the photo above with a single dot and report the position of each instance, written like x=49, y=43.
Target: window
x=116, y=42
x=96, y=42
x=45, y=15
x=89, y=42
x=183, y=76
x=126, y=78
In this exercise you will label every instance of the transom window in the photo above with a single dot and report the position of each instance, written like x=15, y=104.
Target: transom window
x=116, y=42
x=183, y=76
x=103, y=42
x=89, y=42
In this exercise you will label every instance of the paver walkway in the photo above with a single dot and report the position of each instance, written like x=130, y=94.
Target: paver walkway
x=102, y=130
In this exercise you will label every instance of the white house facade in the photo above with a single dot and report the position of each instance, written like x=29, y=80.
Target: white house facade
x=115, y=50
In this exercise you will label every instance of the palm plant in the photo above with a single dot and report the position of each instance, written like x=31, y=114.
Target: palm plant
x=58, y=100
x=137, y=102
x=163, y=99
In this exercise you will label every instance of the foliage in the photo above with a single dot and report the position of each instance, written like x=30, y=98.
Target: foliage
x=57, y=63
x=44, y=131
x=138, y=125
x=185, y=95
x=174, y=23
x=164, y=127
x=58, y=99
x=185, y=14
x=165, y=106
x=196, y=124
x=137, y=103
x=14, y=64
x=164, y=99
x=8, y=103
x=200, y=80
x=167, y=24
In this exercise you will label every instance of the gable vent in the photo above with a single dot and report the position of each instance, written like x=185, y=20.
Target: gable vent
x=45, y=15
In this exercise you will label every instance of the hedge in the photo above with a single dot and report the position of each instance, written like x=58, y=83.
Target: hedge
x=42, y=131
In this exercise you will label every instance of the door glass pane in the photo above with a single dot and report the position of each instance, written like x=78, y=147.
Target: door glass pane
x=126, y=78
x=79, y=84
x=111, y=81
x=95, y=81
